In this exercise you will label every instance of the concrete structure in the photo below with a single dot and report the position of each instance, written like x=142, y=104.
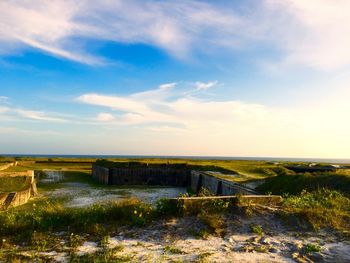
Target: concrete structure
x=217, y=186
x=13, y=199
x=167, y=174
x=170, y=175
x=7, y=165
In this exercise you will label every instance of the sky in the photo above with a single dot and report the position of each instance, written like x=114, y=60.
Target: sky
x=253, y=78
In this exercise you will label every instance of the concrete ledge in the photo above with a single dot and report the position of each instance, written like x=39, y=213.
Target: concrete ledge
x=16, y=174
x=6, y=166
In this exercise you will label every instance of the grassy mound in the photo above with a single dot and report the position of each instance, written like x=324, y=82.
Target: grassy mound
x=295, y=184
x=13, y=184
x=321, y=208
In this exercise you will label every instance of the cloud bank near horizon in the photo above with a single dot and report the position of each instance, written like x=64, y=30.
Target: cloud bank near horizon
x=172, y=120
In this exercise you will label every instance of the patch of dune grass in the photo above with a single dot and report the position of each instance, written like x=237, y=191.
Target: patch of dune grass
x=295, y=184
x=13, y=184
x=49, y=215
x=321, y=208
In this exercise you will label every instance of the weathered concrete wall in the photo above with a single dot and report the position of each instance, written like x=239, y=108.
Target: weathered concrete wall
x=20, y=197
x=217, y=185
x=16, y=174
x=141, y=176
x=100, y=174
x=170, y=176
x=195, y=181
x=2, y=199
x=5, y=166
x=149, y=176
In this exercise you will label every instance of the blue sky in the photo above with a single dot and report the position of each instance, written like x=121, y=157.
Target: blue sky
x=226, y=78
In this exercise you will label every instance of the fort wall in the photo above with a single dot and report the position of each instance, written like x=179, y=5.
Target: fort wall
x=170, y=176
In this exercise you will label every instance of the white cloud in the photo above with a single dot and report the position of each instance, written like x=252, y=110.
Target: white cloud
x=171, y=123
x=37, y=115
x=4, y=109
x=167, y=86
x=55, y=26
x=11, y=113
x=311, y=33
x=3, y=98
x=103, y=116
x=18, y=131
x=205, y=85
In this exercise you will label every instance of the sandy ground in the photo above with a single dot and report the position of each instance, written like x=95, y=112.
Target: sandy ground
x=173, y=240
x=82, y=194
x=177, y=239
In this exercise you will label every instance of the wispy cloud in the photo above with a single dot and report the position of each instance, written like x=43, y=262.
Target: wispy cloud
x=297, y=31
x=103, y=116
x=37, y=115
x=4, y=109
x=168, y=106
x=15, y=130
x=205, y=85
x=55, y=26
x=13, y=113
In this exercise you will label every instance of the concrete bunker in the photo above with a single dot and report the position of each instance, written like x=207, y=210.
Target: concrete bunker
x=175, y=175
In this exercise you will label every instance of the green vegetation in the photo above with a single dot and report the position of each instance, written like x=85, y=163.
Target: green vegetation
x=317, y=200
x=13, y=184
x=52, y=216
x=295, y=184
x=257, y=229
x=309, y=248
x=321, y=208
x=173, y=250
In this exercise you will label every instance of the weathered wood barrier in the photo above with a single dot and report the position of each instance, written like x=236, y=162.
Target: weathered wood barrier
x=169, y=175
x=13, y=199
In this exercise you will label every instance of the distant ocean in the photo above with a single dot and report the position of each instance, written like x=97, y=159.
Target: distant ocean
x=275, y=159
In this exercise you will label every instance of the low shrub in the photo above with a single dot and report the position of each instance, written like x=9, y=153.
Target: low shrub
x=310, y=248
x=51, y=215
x=257, y=229
x=295, y=184
x=321, y=208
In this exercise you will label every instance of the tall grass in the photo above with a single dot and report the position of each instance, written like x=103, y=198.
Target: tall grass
x=295, y=184
x=52, y=216
x=321, y=208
